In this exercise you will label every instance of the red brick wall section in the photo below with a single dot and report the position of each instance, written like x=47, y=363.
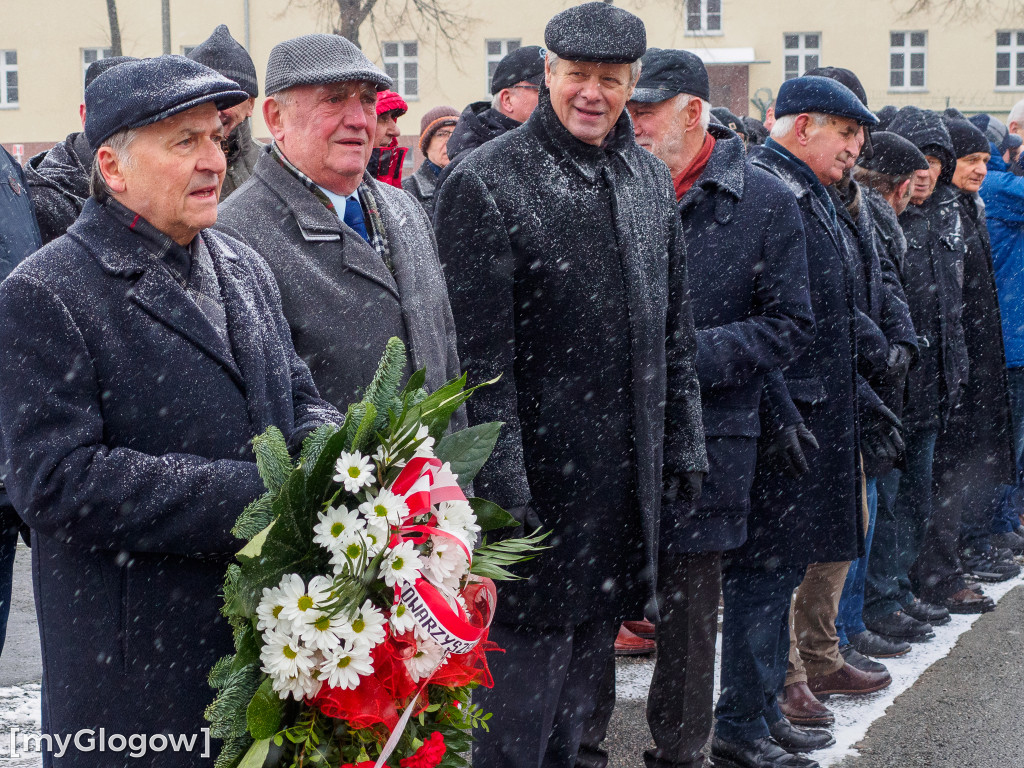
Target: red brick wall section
x=29, y=148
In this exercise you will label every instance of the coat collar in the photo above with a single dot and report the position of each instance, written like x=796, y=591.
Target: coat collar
x=725, y=168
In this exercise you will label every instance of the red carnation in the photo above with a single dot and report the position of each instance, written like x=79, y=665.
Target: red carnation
x=427, y=756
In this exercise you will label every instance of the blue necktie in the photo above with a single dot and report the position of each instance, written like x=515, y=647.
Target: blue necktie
x=354, y=218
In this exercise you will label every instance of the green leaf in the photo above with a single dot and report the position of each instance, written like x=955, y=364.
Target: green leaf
x=362, y=433
x=468, y=449
x=490, y=517
x=272, y=458
x=218, y=676
x=255, y=517
x=382, y=392
x=263, y=715
x=255, y=545
x=416, y=381
x=248, y=648
x=320, y=479
x=256, y=755
x=314, y=445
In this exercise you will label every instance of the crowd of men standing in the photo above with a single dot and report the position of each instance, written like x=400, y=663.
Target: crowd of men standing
x=755, y=365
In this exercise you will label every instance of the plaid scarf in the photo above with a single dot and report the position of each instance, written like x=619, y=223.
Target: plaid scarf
x=374, y=222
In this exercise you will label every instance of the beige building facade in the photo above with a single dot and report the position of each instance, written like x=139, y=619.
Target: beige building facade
x=935, y=58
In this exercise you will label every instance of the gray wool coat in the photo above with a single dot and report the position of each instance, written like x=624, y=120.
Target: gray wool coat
x=340, y=299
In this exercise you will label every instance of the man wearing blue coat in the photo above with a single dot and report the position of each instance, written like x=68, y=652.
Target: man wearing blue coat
x=140, y=354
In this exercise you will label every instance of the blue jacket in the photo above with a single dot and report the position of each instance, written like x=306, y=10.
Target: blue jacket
x=128, y=423
x=1003, y=194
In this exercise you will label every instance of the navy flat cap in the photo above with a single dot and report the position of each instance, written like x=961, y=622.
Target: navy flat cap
x=596, y=32
x=667, y=72
x=524, y=64
x=146, y=91
x=996, y=132
x=100, y=66
x=821, y=94
x=844, y=76
x=220, y=51
x=894, y=155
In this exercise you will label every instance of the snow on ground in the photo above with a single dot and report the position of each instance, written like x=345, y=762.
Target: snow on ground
x=853, y=714
x=19, y=714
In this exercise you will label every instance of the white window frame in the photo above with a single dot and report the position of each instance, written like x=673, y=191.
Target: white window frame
x=908, y=50
x=102, y=52
x=494, y=58
x=400, y=61
x=705, y=29
x=802, y=51
x=4, y=69
x=1015, y=50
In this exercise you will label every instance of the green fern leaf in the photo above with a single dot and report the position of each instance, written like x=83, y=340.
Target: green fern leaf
x=255, y=517
x=272, y=458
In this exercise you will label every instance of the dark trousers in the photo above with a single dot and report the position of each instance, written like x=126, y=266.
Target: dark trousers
x=545, y=687
x=755, y=648
x=8, y=546
x=1006, y=516
x=850, y=620
x=904, y=508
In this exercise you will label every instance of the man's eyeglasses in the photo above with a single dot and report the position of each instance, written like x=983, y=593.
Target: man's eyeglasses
x=526, y=87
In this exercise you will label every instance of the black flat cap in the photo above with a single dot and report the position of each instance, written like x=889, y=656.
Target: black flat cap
x=844, y=76
x=146, y=91
x=885, y=116
x=100, y=66
x=996, y=132
x=729, y=120
x=525, y=64
x=220, y=51
x=596, y=32
x=667, y=72
x=821, y=94
x=756, y=132
x=967, y=139
x=894, y=155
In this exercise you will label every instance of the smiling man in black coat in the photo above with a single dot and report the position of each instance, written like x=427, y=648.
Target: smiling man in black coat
x=562, y=248
x=140, y=354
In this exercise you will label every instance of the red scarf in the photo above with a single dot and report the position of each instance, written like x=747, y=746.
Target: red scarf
x=689, y=177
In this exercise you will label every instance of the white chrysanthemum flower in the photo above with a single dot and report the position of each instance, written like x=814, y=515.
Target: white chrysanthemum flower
x=386, y=508
x=425, y=450
x=270, y=609
x=427, y=658
x=376, y=537
x=366, y=628
x=457, y=517
x=299, y=686
x=354, y=471
x=343, y=666
x=401, y=565
x=446, y=564
x=284, y=656
x=348, y=560
x=401, y=619
x=337, y=528
x=300, y=602
x=323, y=633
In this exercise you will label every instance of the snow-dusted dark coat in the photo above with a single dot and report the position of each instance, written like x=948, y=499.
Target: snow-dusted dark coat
x=748, y=288
x=128, y=427
x=815, y=518
x=478, y=124
x=59, y=181
x=243, y=153
x=340, y=298
x=567, y=274
x=977, y=440
x=421, y=186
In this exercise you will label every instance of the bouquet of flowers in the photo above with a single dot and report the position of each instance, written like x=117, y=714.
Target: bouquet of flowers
x=360, y=604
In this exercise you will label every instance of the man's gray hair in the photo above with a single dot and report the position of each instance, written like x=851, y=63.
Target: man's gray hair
x=120, y=143
x=784, y=125
x=682, y=101
x=634, y=67
x=1016, y=114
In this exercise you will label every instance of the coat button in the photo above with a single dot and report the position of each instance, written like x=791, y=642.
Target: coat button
x=14, y=185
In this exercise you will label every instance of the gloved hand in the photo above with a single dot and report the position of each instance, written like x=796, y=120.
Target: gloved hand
x=684, y=487
x=880, y=438
x=789, y=446
x=898, y=363
x=527, y=517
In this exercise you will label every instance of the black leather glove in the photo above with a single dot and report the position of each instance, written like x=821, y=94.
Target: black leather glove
x=527, y=517
x=880, y=435
x=684, y=487
x=789, y=447
x=898, y=363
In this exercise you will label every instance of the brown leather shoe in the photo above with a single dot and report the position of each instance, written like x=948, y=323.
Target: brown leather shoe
x=850, y=681
x=642, y=628
x=801, y=707
x=628, y=644
x=968, y=601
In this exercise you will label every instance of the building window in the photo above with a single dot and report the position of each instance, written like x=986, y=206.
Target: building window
x=8, y=78
x=907, y=55
x=89, y=55
x=802, y=52
x=1010, y=59
x=703, y=16
x=495, y=51
x=401, y=62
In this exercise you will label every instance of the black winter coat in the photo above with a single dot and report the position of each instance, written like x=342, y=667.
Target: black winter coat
x=748, y=288
x=567, y=277
x=978, y=439
x=478, y=124
x=59, y=181
x=129, y=428
x=421, y=186
x=815, y=518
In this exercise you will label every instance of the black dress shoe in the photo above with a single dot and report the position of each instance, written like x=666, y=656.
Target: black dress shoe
x=763, y=753
x=929, y=613
x=867, y=643
x=863, y=663
x=795, y=738
x=898, y=626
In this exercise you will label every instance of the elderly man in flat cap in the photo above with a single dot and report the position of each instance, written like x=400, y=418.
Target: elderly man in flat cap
x=222, y=53
x=141, y=353
x=815, y=518
x=355, y=259
x=564, y=255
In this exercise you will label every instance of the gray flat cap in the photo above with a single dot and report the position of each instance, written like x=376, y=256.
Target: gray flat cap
x=317, y=60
